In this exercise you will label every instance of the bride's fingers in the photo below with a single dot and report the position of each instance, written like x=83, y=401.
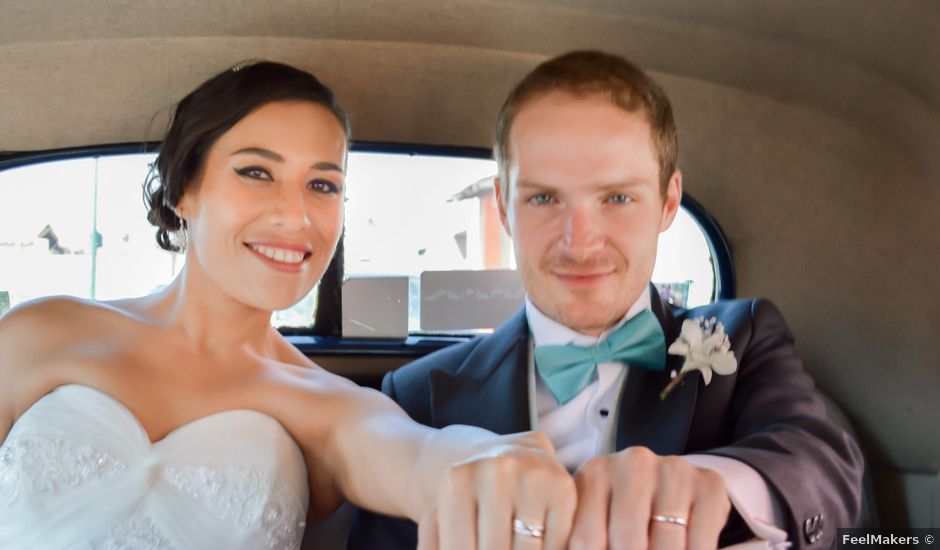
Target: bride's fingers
x=479, y=497
x=457, y=515
x=494, y=514
x=428, y=531
x=544, y=509
x=560, y=518
x=544, y=519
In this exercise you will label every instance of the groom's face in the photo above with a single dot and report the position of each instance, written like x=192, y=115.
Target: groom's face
x=584, y=207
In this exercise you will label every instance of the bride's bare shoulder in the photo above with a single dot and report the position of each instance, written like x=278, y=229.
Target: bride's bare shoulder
x=32, y=336
x=49, y=315
x=43, y=314
x=48, y=324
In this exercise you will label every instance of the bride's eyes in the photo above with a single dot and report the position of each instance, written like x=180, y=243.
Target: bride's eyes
x=254, y=172
x=319, y=185
x=323, y=186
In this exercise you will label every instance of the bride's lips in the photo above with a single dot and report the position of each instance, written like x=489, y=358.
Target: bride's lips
x=281, y=256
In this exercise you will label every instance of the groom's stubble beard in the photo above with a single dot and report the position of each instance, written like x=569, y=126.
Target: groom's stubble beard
x=592, y=309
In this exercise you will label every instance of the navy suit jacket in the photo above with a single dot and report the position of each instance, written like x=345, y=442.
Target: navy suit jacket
x=766, y=415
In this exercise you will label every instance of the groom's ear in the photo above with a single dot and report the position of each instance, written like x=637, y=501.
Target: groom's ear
x=502, y=195
x=671, y=200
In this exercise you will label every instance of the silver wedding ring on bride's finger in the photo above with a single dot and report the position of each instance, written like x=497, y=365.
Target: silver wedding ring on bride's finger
x=534, y=530
x=675, y=520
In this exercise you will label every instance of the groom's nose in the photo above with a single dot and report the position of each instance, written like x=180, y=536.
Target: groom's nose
x=582, y=235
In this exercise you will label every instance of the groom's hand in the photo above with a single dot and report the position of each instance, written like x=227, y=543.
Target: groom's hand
x=619, y=495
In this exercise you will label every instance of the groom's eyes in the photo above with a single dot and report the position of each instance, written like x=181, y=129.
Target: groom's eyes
x=540, y=199
x=619, y=198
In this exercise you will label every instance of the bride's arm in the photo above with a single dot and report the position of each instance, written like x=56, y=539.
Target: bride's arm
x=466, y=477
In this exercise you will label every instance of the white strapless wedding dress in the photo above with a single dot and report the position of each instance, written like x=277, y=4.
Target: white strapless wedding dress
x=77, y=471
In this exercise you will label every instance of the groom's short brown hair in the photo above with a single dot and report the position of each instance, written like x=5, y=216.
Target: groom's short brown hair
x=588, y=73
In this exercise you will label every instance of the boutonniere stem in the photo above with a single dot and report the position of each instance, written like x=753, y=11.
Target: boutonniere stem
x=676, y=378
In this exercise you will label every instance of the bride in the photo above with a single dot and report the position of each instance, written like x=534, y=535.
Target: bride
x=183, y=420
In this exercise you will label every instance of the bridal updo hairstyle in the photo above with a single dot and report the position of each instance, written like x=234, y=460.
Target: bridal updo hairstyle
x=203, y=116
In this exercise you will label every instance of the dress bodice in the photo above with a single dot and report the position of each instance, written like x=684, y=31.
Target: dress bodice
x=78, y=470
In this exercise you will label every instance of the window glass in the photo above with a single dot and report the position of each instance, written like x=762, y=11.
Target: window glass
x=411, y=214
x=45, y=230
x=78, y=227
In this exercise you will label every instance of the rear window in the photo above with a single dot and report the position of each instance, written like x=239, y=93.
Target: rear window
x=422, y=232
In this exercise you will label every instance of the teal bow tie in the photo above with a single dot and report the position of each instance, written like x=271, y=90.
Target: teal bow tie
x=569, y=369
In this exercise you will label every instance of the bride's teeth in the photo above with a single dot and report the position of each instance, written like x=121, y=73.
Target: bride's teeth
x=280, y=254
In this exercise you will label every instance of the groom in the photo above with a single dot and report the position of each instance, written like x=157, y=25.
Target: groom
x=736, y=447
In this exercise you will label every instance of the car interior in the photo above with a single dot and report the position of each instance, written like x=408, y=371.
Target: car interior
x=808, y=133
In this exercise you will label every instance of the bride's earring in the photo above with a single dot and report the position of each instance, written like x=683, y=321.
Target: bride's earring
x=181, y=232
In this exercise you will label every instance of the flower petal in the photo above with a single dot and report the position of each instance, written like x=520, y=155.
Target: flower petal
x=679, y=348
x=706, y=375
x=724, y=363
x=713, y=342
x=692, y=332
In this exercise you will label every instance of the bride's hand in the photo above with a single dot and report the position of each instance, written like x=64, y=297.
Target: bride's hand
x=514, y=495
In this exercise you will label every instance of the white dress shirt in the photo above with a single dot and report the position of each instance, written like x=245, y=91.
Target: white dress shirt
x=586, y=426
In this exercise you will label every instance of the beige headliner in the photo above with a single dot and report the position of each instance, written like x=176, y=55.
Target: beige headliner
x=809, y=129
x=395, y=62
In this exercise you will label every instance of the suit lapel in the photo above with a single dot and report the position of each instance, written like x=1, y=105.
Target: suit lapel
x=644, y=419
x=490, y=389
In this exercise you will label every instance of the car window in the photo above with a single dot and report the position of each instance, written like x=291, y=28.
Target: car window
x=78, y=226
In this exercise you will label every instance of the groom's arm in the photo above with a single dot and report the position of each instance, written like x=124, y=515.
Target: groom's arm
x=770, y=423
x=781, y=430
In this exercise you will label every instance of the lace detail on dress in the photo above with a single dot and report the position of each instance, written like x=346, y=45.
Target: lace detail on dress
x=9, y=474
x=52, y=465
x=77, y=471
x=246, y=495
x=280, y=527
x=136, y=532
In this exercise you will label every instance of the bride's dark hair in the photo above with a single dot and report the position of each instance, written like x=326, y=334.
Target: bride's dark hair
x=208, y=112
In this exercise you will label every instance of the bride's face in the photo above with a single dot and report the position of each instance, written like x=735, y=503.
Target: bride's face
x=265, y=216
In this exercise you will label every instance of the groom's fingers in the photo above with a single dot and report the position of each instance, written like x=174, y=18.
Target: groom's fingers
x=633, y=486
x=709, y=512
x=590, y=520
x=675, y=483
x=620, y=495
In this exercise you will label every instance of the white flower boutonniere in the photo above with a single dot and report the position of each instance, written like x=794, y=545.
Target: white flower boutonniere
x=706, y=348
